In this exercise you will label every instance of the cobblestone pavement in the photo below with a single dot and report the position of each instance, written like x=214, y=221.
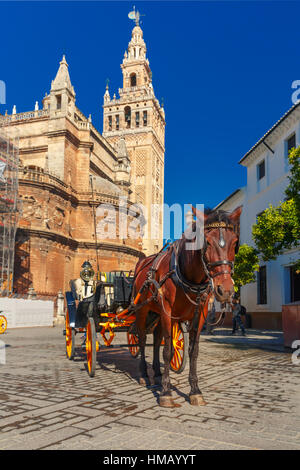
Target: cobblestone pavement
x=47, y=402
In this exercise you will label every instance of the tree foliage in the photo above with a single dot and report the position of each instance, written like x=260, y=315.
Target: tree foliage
x=245, y=264
x=293, y=189
x=278, y=227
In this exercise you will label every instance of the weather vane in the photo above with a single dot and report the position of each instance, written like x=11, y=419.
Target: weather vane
x=135, y=16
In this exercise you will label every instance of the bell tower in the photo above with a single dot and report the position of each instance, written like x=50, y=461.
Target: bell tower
x=137, y=116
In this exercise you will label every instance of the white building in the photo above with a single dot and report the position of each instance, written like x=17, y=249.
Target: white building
x=267, y=177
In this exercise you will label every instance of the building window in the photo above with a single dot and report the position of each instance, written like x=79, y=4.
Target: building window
x=261, y=170
x=145, y=118
x=58, y=102
x=133, y=79
x=290, y=143
x=127, y=112
x=262, y=285
x=109, y=123
x=117, y=122
x=137, y=119
x=295, y=285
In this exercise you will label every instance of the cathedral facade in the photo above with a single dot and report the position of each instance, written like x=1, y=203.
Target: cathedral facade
x=68, y=169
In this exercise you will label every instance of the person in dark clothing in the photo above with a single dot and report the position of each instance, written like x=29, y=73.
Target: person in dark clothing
x=236, y=317
x=211, y=316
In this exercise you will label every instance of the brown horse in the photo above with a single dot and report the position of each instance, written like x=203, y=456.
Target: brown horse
x=180, y=282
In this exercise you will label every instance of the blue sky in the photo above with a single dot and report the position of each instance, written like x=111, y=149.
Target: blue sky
x=224, y=69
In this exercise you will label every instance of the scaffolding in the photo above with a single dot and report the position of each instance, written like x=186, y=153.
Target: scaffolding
x=9, y=210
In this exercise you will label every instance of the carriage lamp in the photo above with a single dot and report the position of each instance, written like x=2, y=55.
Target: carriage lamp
x=87, y=273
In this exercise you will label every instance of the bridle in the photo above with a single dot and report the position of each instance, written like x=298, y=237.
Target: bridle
x=203, y=289
x=209, y=266
x=208, y=285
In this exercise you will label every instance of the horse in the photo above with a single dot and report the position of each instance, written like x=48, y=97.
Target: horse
x=177, y=284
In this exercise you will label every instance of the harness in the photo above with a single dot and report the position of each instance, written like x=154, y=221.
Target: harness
x=180, y=281
x=188, y=286
x=201, y=290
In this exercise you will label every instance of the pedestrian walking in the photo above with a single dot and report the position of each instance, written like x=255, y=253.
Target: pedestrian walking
x=236, y=317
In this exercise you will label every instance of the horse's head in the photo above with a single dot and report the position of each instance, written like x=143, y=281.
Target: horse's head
x=218, y=252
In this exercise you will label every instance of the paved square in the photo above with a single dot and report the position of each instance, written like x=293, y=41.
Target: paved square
x=48, y=402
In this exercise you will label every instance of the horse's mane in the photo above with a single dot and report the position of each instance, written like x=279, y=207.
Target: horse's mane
x=217, y=216
x=213, y=216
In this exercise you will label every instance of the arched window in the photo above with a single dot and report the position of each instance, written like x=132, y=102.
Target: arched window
x=127, y=112
x=133, y=79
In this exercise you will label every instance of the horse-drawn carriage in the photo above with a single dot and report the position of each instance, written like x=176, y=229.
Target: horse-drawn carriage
x=169, y=290
x=104, y=307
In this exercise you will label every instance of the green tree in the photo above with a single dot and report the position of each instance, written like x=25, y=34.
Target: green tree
x=293, y=189
x=278, y=227
x=246, y=262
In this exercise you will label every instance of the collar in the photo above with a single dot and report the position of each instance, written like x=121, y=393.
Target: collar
x=180, y=281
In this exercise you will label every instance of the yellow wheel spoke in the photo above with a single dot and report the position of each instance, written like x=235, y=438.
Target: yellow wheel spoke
x=179, y=344
x=176, y=359
x=132, y=343
x=178, y=338
x=69, y=339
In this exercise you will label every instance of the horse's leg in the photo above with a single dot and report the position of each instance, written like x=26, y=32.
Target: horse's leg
x=165, y=398
x=141, y=330
x=157, y=337
x=196, y=397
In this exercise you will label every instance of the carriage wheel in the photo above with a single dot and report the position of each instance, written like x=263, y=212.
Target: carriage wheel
x=3, y=324
x=70, y=339
x=134, y=341
x=91, y=346
x=179, y=347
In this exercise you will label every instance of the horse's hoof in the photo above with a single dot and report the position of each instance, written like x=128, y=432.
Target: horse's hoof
x=144, y=381
x=167, y=402
x=197, y=400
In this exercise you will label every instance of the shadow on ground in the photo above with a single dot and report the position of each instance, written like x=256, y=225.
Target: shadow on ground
x=118, y=360
x=255, y=339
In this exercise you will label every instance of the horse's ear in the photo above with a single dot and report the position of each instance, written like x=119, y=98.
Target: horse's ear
x=235, y=215
x=199, y=214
